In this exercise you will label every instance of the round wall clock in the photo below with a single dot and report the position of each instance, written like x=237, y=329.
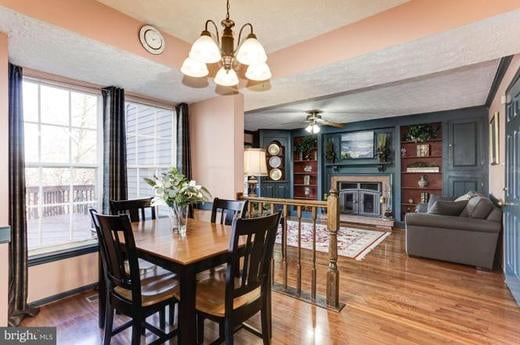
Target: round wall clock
x=275, y=174
x=151, y=39
x=273, y=149
x=275, y=162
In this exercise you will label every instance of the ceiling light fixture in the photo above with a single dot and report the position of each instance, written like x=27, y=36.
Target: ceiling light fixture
x=313, y=128
x=221, y=49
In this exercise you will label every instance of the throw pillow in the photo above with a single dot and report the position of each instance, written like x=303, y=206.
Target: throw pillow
x=448, y=208
x=479, y=207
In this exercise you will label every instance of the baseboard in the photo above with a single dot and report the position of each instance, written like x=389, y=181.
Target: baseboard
x=62, y=295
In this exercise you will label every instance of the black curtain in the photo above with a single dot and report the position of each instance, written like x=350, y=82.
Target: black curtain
x=18, y=307
x=114, y=146
x=183, y=140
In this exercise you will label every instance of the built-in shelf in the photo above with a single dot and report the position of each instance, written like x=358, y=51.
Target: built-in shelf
x=422, y=173
x=426, y=142
x=419, y=157
x=419, y=188
x=304, y=198
x=305, y=185
x=305, y=161
x=306, y=173
x=299, y=187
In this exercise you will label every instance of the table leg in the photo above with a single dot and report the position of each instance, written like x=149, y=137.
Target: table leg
x=101, y=294
x=187, y=317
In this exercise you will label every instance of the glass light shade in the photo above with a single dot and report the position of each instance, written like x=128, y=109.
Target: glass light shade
x=309, y=128
x=255, y=162
x=226, y=77
x=251, y=52
x=194, y=68
x=204, y=49
x=315, y=129
x=258, y=72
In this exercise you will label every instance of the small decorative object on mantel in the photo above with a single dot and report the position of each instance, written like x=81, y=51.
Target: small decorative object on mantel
x=308, y=168
x=174, y=190
x=422, y=167
x=307, y=191
x=420, y=133
x=330, y=151
x=306, y=180
x=423, y=150
x=410, y=201
x=383, y=149
x=403, y=152
x=423, y=182
x=425, y=197
x=305, y=146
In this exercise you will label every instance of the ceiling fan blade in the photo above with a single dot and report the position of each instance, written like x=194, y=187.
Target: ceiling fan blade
x=329, y=123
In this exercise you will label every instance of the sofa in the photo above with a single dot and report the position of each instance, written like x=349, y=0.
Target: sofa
x=464, y=231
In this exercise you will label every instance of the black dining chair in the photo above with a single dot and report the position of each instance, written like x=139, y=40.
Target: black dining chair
x=228, y=210
x=135, y=208
x=127, y=292
x=233, y=298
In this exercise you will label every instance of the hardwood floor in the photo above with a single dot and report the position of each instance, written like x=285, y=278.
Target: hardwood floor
x=390, y=299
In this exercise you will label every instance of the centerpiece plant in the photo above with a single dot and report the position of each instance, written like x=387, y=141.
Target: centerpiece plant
x=174, y=190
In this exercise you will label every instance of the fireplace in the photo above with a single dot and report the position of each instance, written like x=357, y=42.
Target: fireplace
x=360, y=198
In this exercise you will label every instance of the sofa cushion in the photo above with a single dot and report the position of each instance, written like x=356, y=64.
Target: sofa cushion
x=448, y=208
x=434, y=198
x=478, y=207
x=434, y=221
x=495, y=215
x=468, y=196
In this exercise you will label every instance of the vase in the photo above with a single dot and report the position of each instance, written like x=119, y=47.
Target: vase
x=423, y=182
x=179, y=218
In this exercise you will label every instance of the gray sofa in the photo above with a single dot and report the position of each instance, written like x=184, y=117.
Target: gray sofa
x=470, y=237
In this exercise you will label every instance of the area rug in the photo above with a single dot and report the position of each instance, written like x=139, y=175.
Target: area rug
x=352, y=243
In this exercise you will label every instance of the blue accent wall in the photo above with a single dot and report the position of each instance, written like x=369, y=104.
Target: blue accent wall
x=468, y=122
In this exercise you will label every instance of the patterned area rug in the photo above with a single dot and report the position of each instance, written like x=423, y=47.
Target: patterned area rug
x=352, y=243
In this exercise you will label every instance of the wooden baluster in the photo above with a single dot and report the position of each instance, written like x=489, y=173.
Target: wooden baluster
x=333, y=227
x=250, y=209
x=299, y=264
x=284, y=246
x=313, y=282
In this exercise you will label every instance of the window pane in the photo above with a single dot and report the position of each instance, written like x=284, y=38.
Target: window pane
x=55, y=144
x=145, y=150
x=55, y=225
x=146, y=121
x=132, y=183
x=131, y=119
x=164, y=123
x=84, y=185
x=32, y=192
x=55, y=184
x=54, y=105
x=84, y=145
x=144, y=189
x=30, y=101
x=83, y=110
x=131, y=152
x=81, y=223
x=32, y=137
x=164, y=152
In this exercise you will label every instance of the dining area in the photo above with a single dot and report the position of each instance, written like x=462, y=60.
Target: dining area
x=216, y=270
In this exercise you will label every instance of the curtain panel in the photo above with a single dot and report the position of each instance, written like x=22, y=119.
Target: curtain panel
x=183, y=140
x=114, y=146
x=18, y=252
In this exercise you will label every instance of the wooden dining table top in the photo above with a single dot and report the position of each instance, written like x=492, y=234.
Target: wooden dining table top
x=202, y=240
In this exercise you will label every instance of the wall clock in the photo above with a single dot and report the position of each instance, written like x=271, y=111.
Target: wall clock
x=151, y=39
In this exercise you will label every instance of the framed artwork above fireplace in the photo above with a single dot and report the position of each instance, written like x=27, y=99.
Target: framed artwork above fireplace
x=357, y=145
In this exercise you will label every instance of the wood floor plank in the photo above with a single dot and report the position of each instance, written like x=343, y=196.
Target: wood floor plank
x=390, y=299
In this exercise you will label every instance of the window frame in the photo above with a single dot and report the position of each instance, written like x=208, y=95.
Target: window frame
x=40, y=255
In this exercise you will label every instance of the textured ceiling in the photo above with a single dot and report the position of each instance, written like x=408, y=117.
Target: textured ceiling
x=459, y=88
x=481, y=41
x=278, y=23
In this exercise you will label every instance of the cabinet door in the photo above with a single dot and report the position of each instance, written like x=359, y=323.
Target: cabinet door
x=460, y=185
x=467, y=143
x=281, y=191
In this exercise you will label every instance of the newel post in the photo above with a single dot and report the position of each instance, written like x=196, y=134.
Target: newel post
x=333, y=227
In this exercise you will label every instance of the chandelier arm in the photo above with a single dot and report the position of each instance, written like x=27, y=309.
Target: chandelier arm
x=240, y=34
x=209, y=21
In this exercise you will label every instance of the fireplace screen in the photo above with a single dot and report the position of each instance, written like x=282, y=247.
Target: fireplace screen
x=360, y=198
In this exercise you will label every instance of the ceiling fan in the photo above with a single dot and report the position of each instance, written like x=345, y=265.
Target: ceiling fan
x=314, y=121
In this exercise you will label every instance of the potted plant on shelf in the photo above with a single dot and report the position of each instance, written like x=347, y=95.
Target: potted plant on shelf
x=174, y=190
x=330, y=152
x=305, y=146
x=420, y=133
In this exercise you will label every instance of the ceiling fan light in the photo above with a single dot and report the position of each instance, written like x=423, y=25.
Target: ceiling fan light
x=226, y=77
x=315, y=129
x=309, y=128
x=251, y=52
x=194, y=68
x=258, y=72
x=205, y=50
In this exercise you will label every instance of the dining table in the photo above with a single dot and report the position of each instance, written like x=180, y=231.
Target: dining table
x=202, y=247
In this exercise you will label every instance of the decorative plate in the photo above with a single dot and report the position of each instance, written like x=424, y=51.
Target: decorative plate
x=275, y=174
x=273, y=149
x=275, y=162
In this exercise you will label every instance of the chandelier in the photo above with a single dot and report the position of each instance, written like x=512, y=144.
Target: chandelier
x=208, y=49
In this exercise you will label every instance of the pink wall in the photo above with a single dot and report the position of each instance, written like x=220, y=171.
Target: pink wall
x=60, y=276
x=217, y=149
x=4, y=200
x=497, y=172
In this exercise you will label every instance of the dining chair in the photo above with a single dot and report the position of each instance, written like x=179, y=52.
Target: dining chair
x=127, y=291
x=135, y=208
x=233, y=298
x=228, y=209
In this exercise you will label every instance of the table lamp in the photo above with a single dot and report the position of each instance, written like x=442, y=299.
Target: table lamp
x=254, y=165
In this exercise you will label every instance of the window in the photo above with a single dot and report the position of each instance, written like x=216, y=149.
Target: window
x=62, y=155
x=151, y=145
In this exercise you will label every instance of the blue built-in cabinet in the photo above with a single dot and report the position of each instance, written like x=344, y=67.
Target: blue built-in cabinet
x=465, y=153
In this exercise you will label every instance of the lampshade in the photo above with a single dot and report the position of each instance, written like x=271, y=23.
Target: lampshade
x=194, y=68
x=251, y=52
x=254, y=162
x=226, y=77
x=258, y=72
x=204, y=49
x=313, y=128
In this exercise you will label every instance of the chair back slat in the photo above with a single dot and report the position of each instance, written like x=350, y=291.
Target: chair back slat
x=251, y=249
x=117, y=246
x=228, y=209
x=135, y=208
